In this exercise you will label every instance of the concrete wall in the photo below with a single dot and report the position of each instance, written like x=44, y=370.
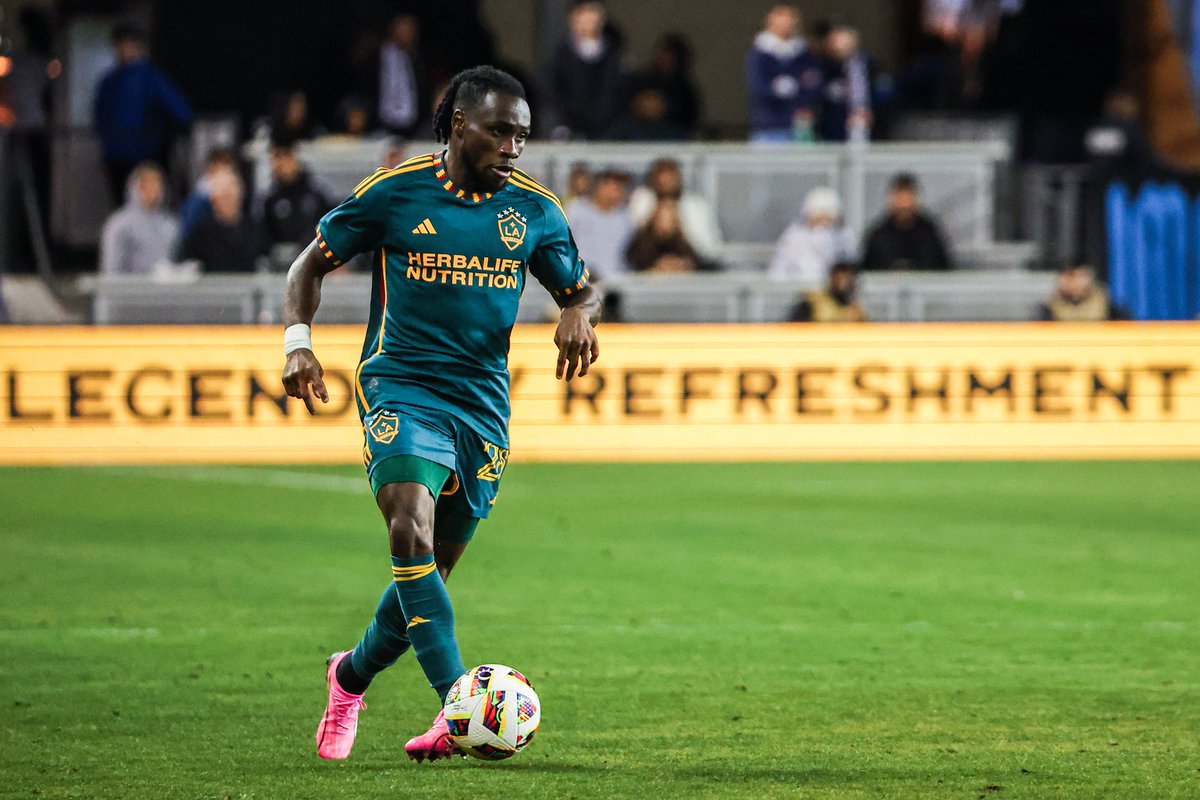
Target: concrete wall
x=720, y=33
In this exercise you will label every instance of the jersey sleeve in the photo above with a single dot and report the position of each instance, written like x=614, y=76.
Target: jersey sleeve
x=354, y=226
x=556, y=262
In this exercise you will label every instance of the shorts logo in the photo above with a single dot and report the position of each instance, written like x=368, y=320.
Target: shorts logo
x=512, y=226
x=497, y=461
x=384, y=427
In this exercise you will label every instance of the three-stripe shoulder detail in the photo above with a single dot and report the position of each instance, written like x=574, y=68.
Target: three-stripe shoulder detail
x=522, y=180
x=382, y=174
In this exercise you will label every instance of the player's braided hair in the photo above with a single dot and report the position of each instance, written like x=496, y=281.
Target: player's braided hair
x=467, y=89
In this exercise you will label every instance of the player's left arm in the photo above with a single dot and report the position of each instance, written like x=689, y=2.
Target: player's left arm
x=557, y=265
x=578, y=345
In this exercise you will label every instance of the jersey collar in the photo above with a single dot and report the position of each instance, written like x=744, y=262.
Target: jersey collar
x=439, y=169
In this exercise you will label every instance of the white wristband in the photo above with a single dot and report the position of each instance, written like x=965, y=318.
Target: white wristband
x=297, y=337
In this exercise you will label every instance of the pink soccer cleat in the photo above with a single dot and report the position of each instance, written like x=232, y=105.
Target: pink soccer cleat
x=335, y=734
x=434, y=743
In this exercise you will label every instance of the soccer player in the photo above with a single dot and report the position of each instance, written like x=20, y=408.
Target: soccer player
x=453, y=234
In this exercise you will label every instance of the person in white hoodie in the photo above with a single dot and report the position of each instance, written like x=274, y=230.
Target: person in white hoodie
x=812, y=245
x=664, y=183
x=140, y=234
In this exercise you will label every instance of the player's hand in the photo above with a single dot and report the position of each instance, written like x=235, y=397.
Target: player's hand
x=578, y=347
x=302, y=371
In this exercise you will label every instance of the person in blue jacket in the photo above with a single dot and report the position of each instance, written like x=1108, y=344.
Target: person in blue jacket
x=784, y=80
x=137, y=108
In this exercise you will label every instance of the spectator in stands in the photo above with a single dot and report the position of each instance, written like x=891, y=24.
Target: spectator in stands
x=818, y=37
x=586, y=83
x=196, y=206
x=137, y=109
x=292, y=205
x=290, y=117
x=1118, y=140
x=937, y=77
x=34, y=68
x=403, y=84
x=601, y=224
x=579, y=181
x=669, y=74
x=227, y=241
x=660, y=245
x=664, y=183
x=646, y=119
x=1078, y=298
x=809, y=247
x=138, y=237
x=906, y=238
x=1057, y=62
x=848, y=97
x=837, y=301
x=783, y=78
x=353, y=118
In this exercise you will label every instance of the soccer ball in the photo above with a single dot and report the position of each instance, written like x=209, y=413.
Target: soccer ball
x=492, y=712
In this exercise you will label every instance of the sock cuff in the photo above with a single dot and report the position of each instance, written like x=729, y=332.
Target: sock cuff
x=415, y=561
x=410, y=569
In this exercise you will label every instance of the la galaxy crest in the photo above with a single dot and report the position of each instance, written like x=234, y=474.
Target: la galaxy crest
x=384, y=427
x=512, y=224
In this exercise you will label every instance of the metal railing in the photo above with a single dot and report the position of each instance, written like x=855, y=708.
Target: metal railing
x=734, y=297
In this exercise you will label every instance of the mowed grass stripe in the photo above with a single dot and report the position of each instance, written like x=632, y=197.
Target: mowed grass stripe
x=785, y=630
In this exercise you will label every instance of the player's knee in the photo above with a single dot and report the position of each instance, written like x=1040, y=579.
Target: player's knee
x=410, y=534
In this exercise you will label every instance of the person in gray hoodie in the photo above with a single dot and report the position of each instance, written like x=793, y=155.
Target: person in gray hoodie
x=140, y=234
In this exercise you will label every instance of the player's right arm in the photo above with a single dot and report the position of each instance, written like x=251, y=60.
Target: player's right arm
x=301, y=296
x=355, y=226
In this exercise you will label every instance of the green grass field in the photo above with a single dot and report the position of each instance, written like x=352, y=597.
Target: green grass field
x=840, y=631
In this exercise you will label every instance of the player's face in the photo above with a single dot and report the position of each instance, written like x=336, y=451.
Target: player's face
x=493, y=135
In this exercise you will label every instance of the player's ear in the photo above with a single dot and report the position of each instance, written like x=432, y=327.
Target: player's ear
x=458, y=120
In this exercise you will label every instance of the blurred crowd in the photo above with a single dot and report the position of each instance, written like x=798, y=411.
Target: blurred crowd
x=660, y=227
x=804, y=83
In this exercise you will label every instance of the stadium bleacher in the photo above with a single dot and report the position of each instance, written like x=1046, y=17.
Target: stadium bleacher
x=756, y=189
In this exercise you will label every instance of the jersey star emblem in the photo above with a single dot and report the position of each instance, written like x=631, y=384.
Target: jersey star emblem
x=512, y=226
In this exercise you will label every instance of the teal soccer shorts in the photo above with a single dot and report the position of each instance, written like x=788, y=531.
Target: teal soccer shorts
x=404, y=443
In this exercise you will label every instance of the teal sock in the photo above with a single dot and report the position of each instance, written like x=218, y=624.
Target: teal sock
x=426, y=606
x=382, y=644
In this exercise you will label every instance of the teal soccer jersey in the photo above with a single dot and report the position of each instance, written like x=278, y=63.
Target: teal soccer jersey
x=449, y=269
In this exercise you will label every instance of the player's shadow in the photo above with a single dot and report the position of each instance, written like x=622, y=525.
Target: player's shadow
x=775, y=775
x=519, y=764
x=556, y=767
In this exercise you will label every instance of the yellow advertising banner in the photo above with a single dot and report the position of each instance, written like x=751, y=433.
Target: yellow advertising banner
x=659, y=393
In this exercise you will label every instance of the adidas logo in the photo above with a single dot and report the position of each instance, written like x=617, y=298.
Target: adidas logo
x=425, y=227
